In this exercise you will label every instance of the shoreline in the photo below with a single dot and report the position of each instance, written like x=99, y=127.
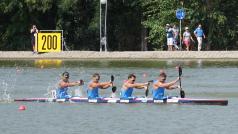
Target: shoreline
x=125, y=55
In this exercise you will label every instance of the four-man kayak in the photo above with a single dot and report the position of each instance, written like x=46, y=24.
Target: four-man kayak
x=171, y=100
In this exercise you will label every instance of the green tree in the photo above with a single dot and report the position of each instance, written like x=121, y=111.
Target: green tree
x=17, y=16
x=80, y=21
x=219, y=20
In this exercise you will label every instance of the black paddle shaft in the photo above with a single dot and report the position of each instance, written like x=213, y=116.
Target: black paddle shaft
x=180, y=74
x=182, y=93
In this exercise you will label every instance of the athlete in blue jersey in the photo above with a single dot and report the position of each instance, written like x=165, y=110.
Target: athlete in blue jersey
x=160, y=85
x=129, y=85
x=199, y=35
x=94, y=85
x=61, y=92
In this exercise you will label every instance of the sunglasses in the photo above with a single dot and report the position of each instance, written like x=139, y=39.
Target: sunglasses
x=97, y=78
x=66, y=76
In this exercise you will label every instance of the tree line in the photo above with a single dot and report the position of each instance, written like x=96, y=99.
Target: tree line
x=132, y=25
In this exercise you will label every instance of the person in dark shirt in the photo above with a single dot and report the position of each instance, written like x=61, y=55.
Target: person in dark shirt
x=170, y=37
x=34, y=31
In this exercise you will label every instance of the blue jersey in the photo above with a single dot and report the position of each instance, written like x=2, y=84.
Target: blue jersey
x=126, y=93
x=61, y=93
x=158, y=93
x=199, y=32
x=93, y=93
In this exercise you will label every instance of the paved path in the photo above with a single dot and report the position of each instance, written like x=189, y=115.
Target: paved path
x=121, y=55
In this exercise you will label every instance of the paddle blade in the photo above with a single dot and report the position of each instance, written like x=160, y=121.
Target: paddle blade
x=147, y=88
x=81, y=82
x=114, y=89
x=112, y=78
x=146, y=93
x=182, y=93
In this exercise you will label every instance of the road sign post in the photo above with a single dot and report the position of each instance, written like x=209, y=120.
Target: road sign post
x=180, y=14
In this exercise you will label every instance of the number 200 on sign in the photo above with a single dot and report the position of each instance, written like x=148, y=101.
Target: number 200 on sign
x=49, y=42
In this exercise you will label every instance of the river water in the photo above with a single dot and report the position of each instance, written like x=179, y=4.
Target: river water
x=201, y=79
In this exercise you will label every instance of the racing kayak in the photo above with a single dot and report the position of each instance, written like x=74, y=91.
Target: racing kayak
x=171, y=100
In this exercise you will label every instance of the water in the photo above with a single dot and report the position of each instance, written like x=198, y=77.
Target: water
x=201, y=79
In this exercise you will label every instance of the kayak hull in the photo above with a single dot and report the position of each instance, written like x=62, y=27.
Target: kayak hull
x=173, y=100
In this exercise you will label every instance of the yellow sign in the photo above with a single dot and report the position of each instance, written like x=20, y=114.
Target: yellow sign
x=49, y=42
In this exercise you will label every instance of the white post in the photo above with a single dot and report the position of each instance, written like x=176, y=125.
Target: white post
x=100, y=27
x=105, y=25
x=103, y=35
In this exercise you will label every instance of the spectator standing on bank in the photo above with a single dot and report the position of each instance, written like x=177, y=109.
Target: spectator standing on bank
x=34, y=31
x=176, y=35
x=170, y=35
x=187, y=37
x=199, y=35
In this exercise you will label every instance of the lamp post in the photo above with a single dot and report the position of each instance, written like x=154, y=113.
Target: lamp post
x=103, y=34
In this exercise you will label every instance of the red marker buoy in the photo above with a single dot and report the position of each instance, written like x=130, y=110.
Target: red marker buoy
x=22, y=107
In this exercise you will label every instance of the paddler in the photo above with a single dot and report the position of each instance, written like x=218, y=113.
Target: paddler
x=94, y=85
x=129, y=85
x=64, y=83
x=160, y=85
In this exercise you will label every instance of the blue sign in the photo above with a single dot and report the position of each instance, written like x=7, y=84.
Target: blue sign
x=180, y=14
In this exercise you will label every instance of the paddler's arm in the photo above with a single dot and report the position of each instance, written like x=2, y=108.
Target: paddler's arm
x=105, y=85
x=168, y=85
x=137, y=85
x=69, y=84
x=102, y=85
x=173, y=87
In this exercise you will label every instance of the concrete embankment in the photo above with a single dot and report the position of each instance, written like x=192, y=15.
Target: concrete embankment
x=127, y=55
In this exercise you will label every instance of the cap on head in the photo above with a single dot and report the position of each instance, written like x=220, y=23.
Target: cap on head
x=65, y=74
x=186, y=28
x=167, y=25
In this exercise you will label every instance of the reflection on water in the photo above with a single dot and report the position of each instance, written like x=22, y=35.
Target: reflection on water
x=47, y=63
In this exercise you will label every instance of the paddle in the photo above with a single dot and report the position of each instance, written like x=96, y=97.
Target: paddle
x=182, y=93
x=147, y=91
x=114, y=88
x=81, y=82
